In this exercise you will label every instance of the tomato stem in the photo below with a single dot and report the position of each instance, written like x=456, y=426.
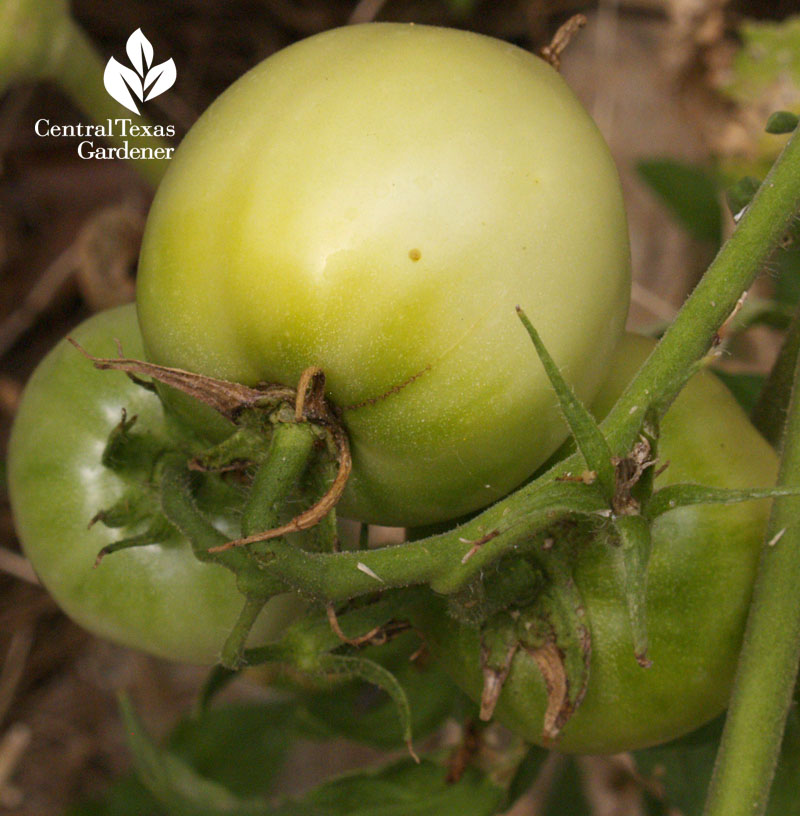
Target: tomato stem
x=689, y=338
x=287, y=458
x=233, y=648
x=768, y=663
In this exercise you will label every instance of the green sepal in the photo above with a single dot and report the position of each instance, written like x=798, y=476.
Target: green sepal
x=180, y=508
x=685, y=494
x=781, y=122
x=590, y=440
x=631, y=555
x=512, y=581
x=241, y=449
x=159, y=529
x=278, y=476
x=129, y=452
x=135, y=505
x=319, y=476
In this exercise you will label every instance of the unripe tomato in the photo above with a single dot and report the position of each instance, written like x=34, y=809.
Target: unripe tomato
x=375, y=200
x=159, y=597
x=699, y=583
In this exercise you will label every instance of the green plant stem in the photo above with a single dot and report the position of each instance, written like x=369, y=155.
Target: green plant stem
x=446, y=562
x=233, y=648
x=287, y=457
x=286, y=460
x=731, y=273
x=768, y=663
x=769, y=413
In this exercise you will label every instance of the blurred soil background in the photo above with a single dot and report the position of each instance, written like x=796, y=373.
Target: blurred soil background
x=652, y=73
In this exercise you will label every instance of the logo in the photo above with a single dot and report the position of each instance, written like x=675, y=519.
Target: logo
x=144, y=81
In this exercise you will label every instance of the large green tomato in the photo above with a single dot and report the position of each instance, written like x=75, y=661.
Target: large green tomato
x=376, y=200
x=699, y=584
x=159, y=597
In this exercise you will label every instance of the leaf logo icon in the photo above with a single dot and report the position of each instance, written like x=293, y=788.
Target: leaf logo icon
x=145, y=80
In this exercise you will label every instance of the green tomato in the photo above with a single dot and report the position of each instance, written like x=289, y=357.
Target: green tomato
x=699, y=584
x=376, y=200
x=159, y=597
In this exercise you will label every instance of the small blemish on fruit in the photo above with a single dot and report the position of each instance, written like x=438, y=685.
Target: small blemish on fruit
x=414, y=254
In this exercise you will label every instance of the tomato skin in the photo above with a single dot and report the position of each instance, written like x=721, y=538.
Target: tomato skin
x=700, y=577
x=157, y=598
x=376, y=200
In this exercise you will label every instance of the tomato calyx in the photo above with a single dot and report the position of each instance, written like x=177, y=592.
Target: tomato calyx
x=612, y=503
x=245, y=406
x=288, y=443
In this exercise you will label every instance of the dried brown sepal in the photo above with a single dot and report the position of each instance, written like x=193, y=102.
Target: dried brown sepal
x=559, y=708
x=310, y=399
x=494, y=679
x=228, y=398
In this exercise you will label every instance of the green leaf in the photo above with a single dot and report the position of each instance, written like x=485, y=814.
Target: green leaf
x=241, y=746
x=402, y=789
x=590, y=440
x=769, y=57
x=682, y=495
x=745, y=388
x=782, y=122
x=691, y=194
x=178, y=788
x=169, y=786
